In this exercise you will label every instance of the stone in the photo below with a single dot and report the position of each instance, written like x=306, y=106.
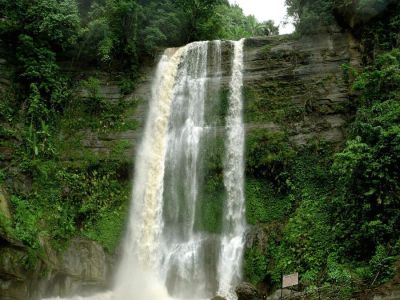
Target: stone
x=82, y=267
x=246, y=291
x=85, y=259
x=13, y=275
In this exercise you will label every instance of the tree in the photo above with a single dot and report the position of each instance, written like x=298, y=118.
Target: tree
x=309, y=15
x=197, y=14
x=368, y=168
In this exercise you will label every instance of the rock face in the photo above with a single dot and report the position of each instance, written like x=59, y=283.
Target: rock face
x=299, y=86
x=13, y=276
x=80, y=268
x=292, y=85
x=103, y=143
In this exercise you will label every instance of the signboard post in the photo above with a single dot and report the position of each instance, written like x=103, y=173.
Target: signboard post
x=289, y=280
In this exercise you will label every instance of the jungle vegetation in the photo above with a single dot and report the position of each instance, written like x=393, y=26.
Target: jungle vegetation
x=334, y=214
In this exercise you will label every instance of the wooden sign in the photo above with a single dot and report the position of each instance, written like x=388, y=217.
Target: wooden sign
x=290, y=280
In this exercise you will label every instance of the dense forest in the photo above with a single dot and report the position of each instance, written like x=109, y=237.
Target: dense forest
x=332, y=213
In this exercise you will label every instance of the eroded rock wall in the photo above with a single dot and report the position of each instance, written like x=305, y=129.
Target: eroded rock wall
x=298, y=85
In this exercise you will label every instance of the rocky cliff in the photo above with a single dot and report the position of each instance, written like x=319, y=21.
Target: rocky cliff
x=295, y=86
x=299, y=85
x=291, y=84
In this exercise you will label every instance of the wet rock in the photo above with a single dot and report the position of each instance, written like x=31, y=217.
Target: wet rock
x=15, y=274
x=81, y=267
x=85, y=259
x=246, y=291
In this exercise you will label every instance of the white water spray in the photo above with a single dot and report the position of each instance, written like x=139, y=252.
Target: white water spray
x=230, y=262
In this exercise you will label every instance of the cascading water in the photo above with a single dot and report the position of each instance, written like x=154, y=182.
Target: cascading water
x=232, y=241
x=167, y=254
x=182, y=247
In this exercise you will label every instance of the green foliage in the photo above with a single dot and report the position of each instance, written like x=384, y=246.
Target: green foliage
x=7, y=108
x=368, y=167
x=210, y=208
x=127, y=86
x=107, y=228
x=168, y=29
x=382, y=76
x=382, y=33
x=263, y=204
x=233, y=24
x=306, y=240
x=3, y=175
x=198, y=14
x=121, y=31
x=93, y=110
x=209, y=213
x=267, y=153
x=52, y=22
x=382, y=265
x=111, y=32
x=26, y=218
x=94, y=102
x=255, y=265
x=309, y=15
x=35, y=31
x=6, y=229
x=81, y=200
x=343, y=226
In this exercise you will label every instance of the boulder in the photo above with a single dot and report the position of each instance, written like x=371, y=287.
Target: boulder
x=246, y=291
x=85, y=259
x=218, y=298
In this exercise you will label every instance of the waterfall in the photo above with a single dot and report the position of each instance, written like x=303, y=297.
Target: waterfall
x=182, y=249
x=167, y=253
x=232, y=241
